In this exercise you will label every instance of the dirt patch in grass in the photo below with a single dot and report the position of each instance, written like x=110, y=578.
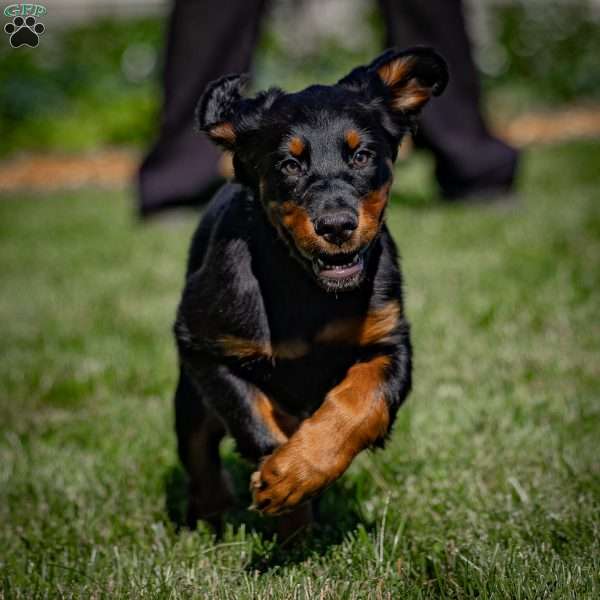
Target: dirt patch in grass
x=116, y=168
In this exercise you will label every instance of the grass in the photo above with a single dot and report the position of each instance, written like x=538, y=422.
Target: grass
x=489, y=487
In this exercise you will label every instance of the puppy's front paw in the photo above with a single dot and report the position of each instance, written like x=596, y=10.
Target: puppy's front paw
x=284, y=480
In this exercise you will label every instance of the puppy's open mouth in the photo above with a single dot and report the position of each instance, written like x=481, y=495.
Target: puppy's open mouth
x=339, y=270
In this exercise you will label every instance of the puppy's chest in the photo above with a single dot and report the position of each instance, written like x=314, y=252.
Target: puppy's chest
x=298, y=373
x=306, y=357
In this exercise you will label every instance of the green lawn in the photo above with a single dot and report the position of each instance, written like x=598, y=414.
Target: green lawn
x=489, y=487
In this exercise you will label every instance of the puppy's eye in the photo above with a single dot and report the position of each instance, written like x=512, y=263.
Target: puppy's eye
x=291, y=167
x=361, y=158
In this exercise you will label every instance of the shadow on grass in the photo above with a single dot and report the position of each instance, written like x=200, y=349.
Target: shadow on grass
x=337, y=513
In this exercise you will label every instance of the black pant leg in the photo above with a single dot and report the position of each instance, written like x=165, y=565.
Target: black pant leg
x=207, y=39
x=469, y=160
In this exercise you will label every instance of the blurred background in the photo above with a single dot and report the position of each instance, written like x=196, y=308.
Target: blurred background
x=539, y=60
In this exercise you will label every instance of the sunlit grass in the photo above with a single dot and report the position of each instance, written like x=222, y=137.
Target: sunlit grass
x=489, y=487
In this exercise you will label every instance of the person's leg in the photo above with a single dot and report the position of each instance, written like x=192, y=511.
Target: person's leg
x=207, y=39
x=469, y=160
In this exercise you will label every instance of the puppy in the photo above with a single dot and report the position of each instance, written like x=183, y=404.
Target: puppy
x=291, y=330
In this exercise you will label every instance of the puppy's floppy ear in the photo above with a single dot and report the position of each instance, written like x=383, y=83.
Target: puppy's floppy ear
x=217, y=109
x=403, y=81
x=227, y=116
x=411, y=77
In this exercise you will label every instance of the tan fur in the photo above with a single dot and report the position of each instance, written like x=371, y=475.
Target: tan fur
x=353, y=416
x=352, y=139
x=371, y=212
x=393, y=72
x=295, y=220
x=296, y=146
x=374, y=328
x=409, y=94
x=412, y=97
x=279, y=423
x=223, y=132
x=244, y=348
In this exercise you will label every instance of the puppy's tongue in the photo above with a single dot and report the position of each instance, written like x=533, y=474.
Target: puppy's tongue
x=342, y=272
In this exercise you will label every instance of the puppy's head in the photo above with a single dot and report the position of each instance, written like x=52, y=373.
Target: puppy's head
x=320, y=160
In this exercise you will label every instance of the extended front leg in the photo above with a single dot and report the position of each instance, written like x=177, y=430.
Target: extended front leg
x=355, y=415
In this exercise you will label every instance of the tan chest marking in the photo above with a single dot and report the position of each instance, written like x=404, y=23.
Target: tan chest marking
x=375, y=327
x=251, y=349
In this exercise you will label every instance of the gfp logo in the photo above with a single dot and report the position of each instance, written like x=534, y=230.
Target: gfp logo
x=25, y=29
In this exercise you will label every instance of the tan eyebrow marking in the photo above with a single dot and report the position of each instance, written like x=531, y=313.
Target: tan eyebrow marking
x=296, y=146
x=352, y=139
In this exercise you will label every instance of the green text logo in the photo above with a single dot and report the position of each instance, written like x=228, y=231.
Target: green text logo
x=25, y=10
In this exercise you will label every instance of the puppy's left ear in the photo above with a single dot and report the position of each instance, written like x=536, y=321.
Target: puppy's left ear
x=411, y=77
x=405, y=80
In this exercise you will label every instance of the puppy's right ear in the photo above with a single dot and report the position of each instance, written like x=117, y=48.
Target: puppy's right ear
x=217, y=108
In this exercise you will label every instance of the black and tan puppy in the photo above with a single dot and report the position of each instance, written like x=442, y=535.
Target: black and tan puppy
x=291, y=329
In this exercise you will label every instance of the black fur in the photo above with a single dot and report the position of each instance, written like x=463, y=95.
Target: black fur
x=249, y=279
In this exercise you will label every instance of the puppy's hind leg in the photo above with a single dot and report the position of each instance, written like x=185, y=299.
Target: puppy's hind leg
x=199, y=432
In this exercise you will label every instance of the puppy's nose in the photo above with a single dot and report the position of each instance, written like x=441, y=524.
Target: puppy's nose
x=336, y=228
